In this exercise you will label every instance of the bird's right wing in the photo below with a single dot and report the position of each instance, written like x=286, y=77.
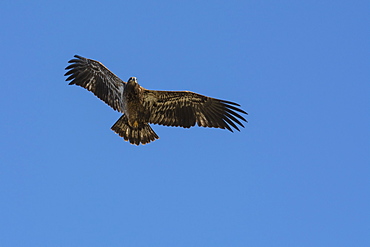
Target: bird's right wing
x=98, y=79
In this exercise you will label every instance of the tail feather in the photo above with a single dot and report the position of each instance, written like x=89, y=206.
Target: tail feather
x=142, y=134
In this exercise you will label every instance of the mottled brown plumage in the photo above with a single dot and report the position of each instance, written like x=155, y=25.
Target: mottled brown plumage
x=142, y=106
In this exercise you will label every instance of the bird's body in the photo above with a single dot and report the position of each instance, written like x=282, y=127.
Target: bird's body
x=142, y=106
x=133, y=104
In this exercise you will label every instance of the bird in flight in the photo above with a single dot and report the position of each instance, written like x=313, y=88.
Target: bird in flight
x=141, y=107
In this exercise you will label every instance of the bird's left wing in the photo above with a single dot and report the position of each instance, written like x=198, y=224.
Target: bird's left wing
x=95, y=77
x=185, y=109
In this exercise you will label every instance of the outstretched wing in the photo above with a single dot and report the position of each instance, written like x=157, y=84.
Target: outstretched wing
x=95, y=77
x=185, y=109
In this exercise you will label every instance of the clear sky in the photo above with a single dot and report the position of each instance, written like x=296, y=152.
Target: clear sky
x=297, y=175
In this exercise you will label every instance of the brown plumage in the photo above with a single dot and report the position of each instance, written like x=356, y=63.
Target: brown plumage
x=142, y=106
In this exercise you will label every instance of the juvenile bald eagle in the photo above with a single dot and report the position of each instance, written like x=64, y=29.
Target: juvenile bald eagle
x=141, y=106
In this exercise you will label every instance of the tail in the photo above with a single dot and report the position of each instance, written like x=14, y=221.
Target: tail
x=142, y=134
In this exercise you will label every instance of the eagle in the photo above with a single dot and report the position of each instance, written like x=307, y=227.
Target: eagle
x=141, y=107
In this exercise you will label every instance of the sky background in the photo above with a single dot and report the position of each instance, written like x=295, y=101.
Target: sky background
x=298, y=174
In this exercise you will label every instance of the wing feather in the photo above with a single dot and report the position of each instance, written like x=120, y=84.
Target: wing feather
x=98, y=79
x=185, y=109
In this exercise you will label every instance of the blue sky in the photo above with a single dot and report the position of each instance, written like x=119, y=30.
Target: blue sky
x=297, y=175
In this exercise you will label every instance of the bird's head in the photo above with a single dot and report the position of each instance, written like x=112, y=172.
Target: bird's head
x=132, y=80
x=132, y=84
